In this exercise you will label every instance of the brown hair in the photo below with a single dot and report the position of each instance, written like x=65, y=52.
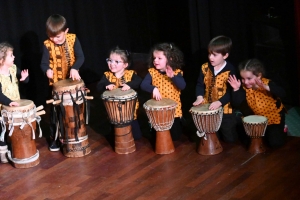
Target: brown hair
x=220, y=44
x=124, y=54
x=252, y=65
x=4, y=47
x=55, y=24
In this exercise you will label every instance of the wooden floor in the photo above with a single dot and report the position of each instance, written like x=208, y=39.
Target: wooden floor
x=184, y=174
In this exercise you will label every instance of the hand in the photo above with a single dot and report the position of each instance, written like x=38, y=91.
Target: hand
x=156, y=94
x=198, y=101
x=260, y=84
x=234, y=82
x=14, y=104
x=215, y=105
x=24, y=74
x=110, y=87
x=49, y=73
x=169, y=71
x=125, y=87
x=74, y=75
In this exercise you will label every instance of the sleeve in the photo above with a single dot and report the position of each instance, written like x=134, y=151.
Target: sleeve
x=3, y=99
x=200, y=86
x=276, y=90
x=227, y=96
x=238, y=97
x=146, y=84
x=102, y=84
x=19, y=76
x=135, y=81
x=179, y=81
x=79, y=56
x=45, y=60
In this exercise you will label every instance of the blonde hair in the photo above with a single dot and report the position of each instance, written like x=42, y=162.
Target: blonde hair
x=4, y=48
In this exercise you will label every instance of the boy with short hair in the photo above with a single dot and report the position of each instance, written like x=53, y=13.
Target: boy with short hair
x=62, y=58
x=212, y=86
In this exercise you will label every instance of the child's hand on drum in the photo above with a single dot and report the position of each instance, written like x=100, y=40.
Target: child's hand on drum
x=24, y=74
x=49, y=73
x=125, y=87
x=156, y=94
x=234, y=82
x=198, y=101
x=14, y=104
x=215, y=105
x=74, y=75
x=110, y=87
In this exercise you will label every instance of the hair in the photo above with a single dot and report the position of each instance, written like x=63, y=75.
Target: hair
x=173, y=54
x=55, y=24
x=254, y=66
x=220, y=44
x=124, y=54
x=4, y=47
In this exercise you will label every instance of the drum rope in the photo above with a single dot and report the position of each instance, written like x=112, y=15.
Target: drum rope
x=71, y=141
x=3, y=129
x=25, y=160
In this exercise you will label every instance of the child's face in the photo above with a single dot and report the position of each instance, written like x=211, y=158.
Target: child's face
x=59, y=38
x=9, y=59
x=217, y=59
x=160, y=60
x=116, y=64
x=249, y=79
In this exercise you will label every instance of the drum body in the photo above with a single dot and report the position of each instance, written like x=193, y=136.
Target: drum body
x=71, y=109
x=21, y=125
x=255, y=127
x=208, y=123
x=120, y=107
x=161, y=116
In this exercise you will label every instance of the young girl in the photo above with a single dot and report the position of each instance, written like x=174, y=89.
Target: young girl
x=165, y=79
x=120, y=77
x=263, y=98
x=9, y=90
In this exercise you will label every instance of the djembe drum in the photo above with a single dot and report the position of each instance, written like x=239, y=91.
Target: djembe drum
x=161, y=116
x=255, y=127
x=70, y=104
x=208, y=123
x=20, y=124
x=120, y=106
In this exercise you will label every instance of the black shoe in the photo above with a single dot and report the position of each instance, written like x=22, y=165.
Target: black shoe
x=55, y=146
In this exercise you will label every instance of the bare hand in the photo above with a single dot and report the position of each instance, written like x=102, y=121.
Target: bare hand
x=125, y=87
x=198, y=101
x=234, y=82
x=14, y=104
x=156, y=94
x=215, y=105
x=49, y=73
x=74, y=75
x=260, y=84
x=110, y=87
x=24, y=74
x=169, y=71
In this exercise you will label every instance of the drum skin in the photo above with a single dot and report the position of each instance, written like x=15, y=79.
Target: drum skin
x=161, y=116
x=208, y=122
x=22, y=144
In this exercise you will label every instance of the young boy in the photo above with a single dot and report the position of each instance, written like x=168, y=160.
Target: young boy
x=212, y=86
x=62, y=58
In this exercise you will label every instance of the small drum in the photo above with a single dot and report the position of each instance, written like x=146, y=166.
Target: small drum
x=161, y=116
x=120, y=107
x=72, y=100
x=255, y=127
x=20, y=123
x=208, y=123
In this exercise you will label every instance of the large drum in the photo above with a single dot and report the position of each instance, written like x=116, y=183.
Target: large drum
x=120, y=107
x=71, y=106
x=255, y=127
x=208, y=123
x=161, y=116
x=20, y=125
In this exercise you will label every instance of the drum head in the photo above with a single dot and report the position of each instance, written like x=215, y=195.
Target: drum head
x=67, y=85
x=24, y=104
x=164, y=103
x=119, y=94
x=254, y=119
x=204, y=109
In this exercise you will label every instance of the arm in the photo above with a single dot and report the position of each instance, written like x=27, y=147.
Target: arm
x=179, y=81
x=4, y=99
x=19, y=75
x=135, y=81
x=146, y=84
x=79, y=56
x=101, y=86
x=276, y=90
x=227, y=96
x=45, y=60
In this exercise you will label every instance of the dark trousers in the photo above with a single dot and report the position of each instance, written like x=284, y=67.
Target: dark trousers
x=176, y=129
x=227, y=131
x=136, y=130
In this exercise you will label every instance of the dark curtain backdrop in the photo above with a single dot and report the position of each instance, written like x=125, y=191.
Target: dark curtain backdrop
x=258, y=28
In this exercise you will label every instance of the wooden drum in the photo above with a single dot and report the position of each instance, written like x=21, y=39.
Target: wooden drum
x=161, y=116
x=208, y=123
x=120, y=106
x=71, y=100
x=20, y=125
x=255, y=127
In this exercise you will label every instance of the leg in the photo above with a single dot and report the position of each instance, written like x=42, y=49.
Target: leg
x=54, y=144
x=275, y=135
x=228, y=128
x=176, y=129
x=136, y=130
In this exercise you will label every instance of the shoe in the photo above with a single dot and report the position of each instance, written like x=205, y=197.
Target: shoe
x=3, y=150
x=55, y=146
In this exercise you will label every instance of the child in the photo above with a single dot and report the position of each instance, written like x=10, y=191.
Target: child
x=62, y=58
x=120, y=77
x=165, y=79
x=212, y=86
x=263, y=97
x=9, y=89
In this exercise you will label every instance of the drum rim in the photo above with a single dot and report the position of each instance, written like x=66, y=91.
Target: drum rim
x=113, y=97
x=29, y=106
x=255, y=122
x=174, y=104
x=206, y=112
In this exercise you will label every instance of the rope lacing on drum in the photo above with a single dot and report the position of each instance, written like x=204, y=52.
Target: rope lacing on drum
x=3, y=129
x=201, y=134
x=87, y=106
